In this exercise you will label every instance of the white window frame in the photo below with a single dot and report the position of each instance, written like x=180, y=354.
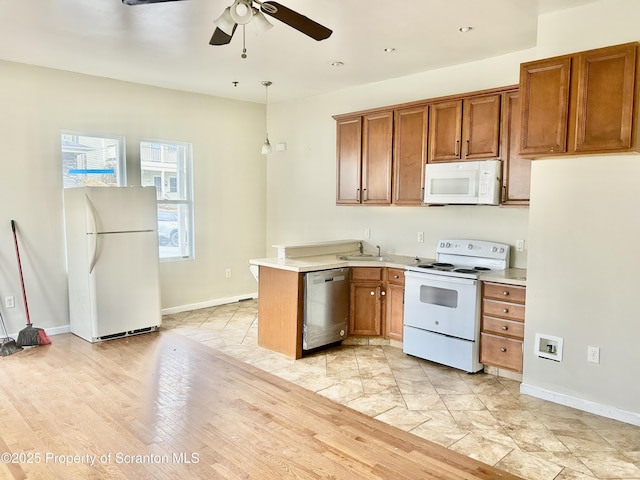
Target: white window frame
x=186, y=246
x=120, y=150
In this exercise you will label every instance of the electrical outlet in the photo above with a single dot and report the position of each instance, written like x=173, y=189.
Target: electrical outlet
x=420, y=237
x=593, y=354
x=367, y=233
x=9, y=302
x=519, y=245
x=227, y=273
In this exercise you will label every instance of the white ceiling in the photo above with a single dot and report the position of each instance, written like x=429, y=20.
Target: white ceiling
x=167, y=44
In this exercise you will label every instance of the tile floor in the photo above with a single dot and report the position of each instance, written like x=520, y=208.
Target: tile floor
x=482, y=416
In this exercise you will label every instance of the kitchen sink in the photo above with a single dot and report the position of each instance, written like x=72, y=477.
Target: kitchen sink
x=365, y=257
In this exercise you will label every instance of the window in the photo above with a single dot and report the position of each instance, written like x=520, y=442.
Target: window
x=90, y=160
x=167, y=166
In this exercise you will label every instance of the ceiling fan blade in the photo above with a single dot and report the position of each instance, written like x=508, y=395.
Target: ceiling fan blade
x=143, y=2
x=296, y=20
x=221, y=38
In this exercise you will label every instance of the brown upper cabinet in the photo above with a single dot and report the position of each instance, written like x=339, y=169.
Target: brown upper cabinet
x=410, y=155
x=516, y=170
x=581, y=103
x=465, y=129
x=364, y=155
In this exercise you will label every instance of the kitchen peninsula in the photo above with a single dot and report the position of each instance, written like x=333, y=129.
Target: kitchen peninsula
x=281, y=292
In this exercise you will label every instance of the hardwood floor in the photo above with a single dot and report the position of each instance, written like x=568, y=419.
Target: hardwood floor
x=161, y=406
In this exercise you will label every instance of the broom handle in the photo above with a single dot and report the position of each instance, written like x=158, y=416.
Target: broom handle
x=24, y=293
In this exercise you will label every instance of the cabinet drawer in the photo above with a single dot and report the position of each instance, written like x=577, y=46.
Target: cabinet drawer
x=395, y=276
x=501, y=352
x=507, y=293
x=366, y=273
x=500, y=326
x=512, y=311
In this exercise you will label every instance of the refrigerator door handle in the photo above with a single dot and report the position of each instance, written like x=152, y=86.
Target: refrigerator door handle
x=93, y=233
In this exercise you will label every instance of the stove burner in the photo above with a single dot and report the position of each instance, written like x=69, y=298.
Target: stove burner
x=465, y=270
x=481, y=269
x=442, y=265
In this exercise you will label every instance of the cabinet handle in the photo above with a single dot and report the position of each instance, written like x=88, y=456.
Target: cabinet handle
x=505, y=328
x=372, y=293
x=358, y=195
x=383, y=293
x=467, y=152
x=505, y=293
x=456, y=150
x=396, y=276
x=365, y=195
x=503, y=349
x=505, y=310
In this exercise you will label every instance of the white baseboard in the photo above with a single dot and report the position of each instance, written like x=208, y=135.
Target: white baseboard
x=585, y=405
x=166, y=311
x=209, y=303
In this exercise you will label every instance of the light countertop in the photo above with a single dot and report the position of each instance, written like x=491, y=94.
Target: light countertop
x=514, y=276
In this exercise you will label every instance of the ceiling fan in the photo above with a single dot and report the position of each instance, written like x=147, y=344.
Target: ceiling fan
x=241, y=12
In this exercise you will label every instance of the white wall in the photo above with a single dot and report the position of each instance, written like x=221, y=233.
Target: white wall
x=582, y=278
x=38, y=103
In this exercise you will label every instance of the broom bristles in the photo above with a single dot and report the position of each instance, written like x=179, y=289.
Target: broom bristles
x=32, y=336
x=9, y=347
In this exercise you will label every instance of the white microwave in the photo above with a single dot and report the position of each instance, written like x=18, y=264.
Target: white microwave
x=467, y=183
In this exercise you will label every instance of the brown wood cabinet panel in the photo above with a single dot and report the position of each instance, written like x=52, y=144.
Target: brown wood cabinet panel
x=394, y=323
x=544, y=90
x=349, y=160
x=605, y=98
x=481, y=127
x=395, y=276
x=377, y=151
x=280, y=309
x=410, y=155
x=516, y=170
x=365, y=309
x=445, y=131
x=501, y=326
x=496, y=308
x=367, y=274
x=504, y=292
x=501, y=352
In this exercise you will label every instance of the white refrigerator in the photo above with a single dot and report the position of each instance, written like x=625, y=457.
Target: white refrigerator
x=112, y=261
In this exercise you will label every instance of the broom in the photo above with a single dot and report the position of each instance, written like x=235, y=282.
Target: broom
x=8, y=345
x=29, y=336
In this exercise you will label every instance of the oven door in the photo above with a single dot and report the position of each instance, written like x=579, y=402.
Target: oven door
x=442, y=304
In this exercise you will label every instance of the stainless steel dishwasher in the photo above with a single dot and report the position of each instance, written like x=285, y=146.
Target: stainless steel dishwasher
x=326, y=307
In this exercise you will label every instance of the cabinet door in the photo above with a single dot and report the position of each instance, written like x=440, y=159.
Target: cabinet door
x=544, y=90
x=445, y=131
x=395, y=312
x=349, y=160
x=365, y=309
x=410, y=155
x=481, y=127
x=377, y=151
x=516, y=170
x=605, y=96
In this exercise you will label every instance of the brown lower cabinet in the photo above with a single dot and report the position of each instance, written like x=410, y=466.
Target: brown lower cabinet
x=377, y=302
x=502, y=329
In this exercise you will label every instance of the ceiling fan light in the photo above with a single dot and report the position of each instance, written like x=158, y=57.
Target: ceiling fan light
x=260, y=21
x=241, y=11
x=266, y=147
x=224, y=22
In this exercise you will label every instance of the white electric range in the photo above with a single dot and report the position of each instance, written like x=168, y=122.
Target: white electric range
x=442, y=302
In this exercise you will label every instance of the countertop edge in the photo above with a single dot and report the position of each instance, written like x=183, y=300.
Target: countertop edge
x=513, y=276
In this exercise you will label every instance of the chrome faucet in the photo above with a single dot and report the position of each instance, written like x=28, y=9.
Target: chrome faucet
x=378, y=247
